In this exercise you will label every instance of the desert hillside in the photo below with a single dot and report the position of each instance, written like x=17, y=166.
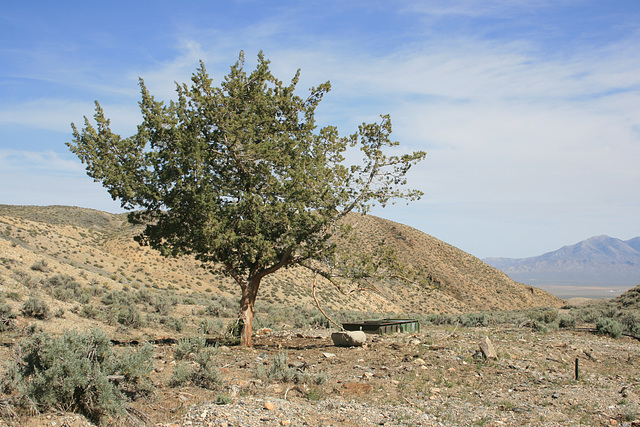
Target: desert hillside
x=75, y=289
x=97, y=247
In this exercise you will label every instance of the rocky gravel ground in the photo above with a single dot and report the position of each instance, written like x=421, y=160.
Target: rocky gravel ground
x=434, y=378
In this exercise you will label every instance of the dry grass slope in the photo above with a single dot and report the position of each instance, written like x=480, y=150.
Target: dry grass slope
x=93, y=245
x=460, y=281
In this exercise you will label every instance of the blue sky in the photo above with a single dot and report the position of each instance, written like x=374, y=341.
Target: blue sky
x=529, y=110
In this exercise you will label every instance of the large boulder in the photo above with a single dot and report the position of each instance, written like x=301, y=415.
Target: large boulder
x=349, y=338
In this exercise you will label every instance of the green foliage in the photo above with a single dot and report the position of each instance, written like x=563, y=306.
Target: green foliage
x=72, y=373
x=608, y=326
x=239, y=176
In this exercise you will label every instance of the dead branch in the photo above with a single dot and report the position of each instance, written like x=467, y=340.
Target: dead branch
x=315, y=281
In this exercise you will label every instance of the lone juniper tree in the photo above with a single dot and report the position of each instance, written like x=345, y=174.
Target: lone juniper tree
x=239, y=175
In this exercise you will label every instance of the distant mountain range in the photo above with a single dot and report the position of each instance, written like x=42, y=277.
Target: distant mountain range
x=596, y=267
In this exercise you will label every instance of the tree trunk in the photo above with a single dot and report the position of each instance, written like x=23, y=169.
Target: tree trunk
x=247, y=310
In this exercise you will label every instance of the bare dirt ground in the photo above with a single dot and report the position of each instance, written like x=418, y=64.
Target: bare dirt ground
x=432, y=378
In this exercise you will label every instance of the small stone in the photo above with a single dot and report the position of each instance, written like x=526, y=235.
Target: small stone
x=329, y=355
x=555, y=395
x=269, y=406
x=285, y=422
x=296, y=364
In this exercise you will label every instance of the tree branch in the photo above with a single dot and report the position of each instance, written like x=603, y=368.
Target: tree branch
x=315, y=279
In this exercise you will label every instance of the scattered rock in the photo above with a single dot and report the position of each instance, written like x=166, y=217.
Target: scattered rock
x=486, y=347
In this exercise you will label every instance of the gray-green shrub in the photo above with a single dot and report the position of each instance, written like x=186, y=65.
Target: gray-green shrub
x=187, y=346
x=566, y=322
x=608, y=326
x=40, y=266
x=72, y=373
x=35, y=307
x=278, y=370
x=63, y=288
x=7, y=315
x=202, y=373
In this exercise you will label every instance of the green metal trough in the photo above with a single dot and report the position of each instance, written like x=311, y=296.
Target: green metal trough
x=383, y=326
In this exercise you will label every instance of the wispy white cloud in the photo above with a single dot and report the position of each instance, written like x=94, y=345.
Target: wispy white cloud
x=40, y=162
